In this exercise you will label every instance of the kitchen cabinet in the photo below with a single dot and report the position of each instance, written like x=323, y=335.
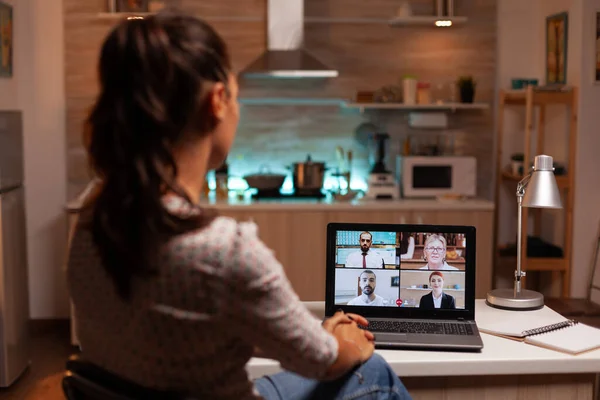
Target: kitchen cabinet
x=298, y=238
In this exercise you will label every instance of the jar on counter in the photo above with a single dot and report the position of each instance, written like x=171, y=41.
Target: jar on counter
x=409, y=86
x=423, y=93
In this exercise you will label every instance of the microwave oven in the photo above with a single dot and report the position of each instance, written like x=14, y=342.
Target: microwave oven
x=432, y=176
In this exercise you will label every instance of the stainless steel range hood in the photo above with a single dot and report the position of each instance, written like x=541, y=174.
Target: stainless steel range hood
x=285, y=57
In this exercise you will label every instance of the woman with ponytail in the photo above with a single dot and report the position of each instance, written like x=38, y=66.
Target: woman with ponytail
x=168, y=294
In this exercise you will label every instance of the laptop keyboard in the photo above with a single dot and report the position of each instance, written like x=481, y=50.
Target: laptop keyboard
x=435, y=328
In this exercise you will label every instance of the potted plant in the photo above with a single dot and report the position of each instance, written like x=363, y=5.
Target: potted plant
x=466, y=86
x=516, y=163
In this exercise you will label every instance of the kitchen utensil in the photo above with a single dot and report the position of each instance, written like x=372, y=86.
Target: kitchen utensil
x=349, y=161
x=339, y=155
x=309, y=174
x=265, y=180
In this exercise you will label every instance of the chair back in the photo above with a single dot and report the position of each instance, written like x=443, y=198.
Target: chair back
x=594, y=289
x=86, y=381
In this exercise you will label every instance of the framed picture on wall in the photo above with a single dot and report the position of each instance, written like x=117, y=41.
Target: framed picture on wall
x=597, y=48
x=6, y=40
x=557, y=29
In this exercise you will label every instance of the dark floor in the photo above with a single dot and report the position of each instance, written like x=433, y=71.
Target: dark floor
x=51, y=347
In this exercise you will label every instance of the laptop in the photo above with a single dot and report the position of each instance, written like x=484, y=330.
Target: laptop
x=415, y=284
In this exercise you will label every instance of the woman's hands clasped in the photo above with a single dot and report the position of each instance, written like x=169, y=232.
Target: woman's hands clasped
x=356, y=345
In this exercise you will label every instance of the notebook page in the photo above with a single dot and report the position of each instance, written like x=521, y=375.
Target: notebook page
x=574, y=339
x=514, y=323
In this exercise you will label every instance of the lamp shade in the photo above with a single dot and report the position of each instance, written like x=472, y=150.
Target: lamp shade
x=542, y=191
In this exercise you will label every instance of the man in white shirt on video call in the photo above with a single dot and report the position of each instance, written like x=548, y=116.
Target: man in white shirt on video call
x=367, y=281
x=366, y=257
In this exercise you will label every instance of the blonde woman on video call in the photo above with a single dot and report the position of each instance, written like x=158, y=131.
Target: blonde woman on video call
x=434, y=253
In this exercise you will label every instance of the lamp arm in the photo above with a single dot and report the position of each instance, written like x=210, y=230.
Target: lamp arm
x=519, y=273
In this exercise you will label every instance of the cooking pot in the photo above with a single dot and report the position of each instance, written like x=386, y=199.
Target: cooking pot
x=265, y=180
x=308, y=174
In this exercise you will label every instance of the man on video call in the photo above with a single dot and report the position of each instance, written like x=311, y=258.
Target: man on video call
x=366, y=257
x=367, y=281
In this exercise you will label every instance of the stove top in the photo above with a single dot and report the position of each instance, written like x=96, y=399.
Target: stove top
x=298, y=194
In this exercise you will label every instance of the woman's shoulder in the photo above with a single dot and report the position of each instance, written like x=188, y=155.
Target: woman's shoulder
x=219, y=235
x=218, y=243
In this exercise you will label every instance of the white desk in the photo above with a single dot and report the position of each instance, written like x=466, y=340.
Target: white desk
x=505, y=369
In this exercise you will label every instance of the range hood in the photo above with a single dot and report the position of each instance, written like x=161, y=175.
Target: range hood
x=285, y=57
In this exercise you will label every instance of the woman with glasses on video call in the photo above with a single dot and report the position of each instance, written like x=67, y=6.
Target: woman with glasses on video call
x=434, y=253
x=166, y=293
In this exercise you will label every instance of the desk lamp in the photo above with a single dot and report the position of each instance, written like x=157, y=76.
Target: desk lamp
x=536, y=190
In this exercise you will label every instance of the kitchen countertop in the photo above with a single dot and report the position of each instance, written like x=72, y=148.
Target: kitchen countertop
x=284, y=204
x=362, y=204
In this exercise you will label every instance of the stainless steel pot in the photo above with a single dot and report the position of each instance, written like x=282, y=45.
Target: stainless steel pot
x=308, y=174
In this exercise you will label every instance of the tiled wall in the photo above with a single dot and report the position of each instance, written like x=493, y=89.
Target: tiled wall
x=367, y=55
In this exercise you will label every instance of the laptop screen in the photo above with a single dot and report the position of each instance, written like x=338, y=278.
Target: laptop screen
x=424, y=267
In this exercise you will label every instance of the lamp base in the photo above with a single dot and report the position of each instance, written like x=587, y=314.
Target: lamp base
x=505, y=299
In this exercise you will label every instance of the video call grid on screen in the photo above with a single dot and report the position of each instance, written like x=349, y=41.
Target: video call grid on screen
x=423, y=270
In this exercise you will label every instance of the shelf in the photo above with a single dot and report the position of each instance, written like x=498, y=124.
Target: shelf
x=290, y=101
x=430, y=20
x=541, y=263
x=336, y=102
x=540, y=97
x=562, y=181
x=433, y=107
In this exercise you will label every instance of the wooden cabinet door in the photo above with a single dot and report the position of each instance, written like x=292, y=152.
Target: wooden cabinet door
x=378, y=217
x=274, y=230
x=307, y=231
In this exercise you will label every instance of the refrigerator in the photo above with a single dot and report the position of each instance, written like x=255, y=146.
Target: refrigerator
x=14, y=293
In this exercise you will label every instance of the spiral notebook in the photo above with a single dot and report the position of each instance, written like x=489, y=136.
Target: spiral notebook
x=544, y=328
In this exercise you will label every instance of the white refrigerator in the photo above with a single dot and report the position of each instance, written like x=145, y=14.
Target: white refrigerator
x=14, y=293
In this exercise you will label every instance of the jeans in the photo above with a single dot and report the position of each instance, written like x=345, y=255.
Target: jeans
x=373, y=380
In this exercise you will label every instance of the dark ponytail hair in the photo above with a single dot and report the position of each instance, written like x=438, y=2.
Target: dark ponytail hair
x=155, y=74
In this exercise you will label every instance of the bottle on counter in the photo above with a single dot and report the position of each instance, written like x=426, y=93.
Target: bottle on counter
x=222, y=182
x=205, y=188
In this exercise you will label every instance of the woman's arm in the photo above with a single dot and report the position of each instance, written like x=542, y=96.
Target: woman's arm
x=268, y=314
